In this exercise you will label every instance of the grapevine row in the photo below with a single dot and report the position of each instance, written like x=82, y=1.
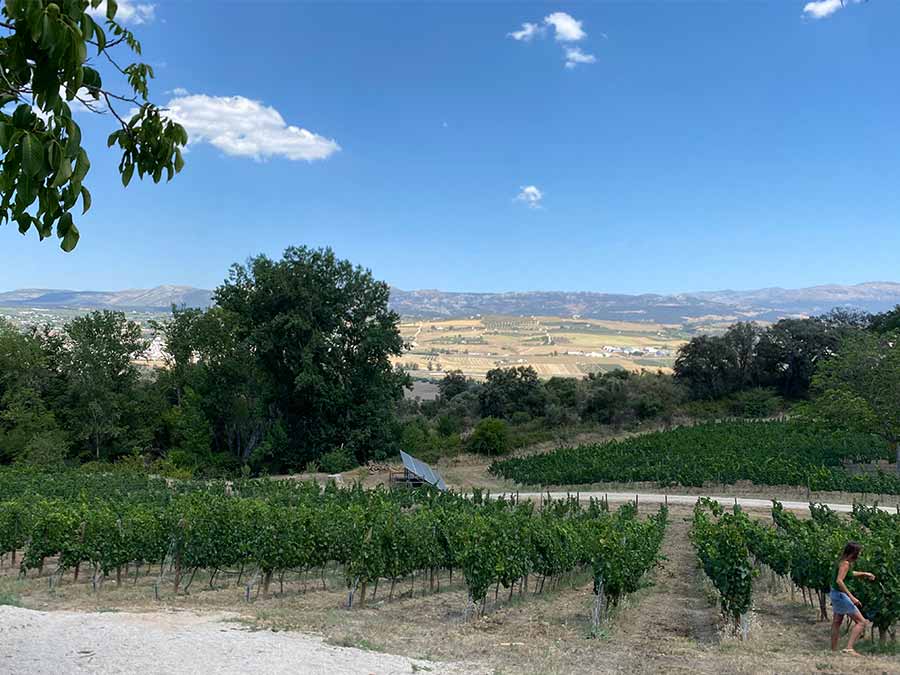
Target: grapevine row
x=766, y=453
x=268, y=529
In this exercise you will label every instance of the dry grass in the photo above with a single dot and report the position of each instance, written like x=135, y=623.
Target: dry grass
x=523, y=342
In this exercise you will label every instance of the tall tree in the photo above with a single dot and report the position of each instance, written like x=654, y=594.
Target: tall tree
x=790, y=350
x=102, y=379
x=323, y=334
x=861, y=384
x=48, y=63
x=706, y=365
x=508, y=391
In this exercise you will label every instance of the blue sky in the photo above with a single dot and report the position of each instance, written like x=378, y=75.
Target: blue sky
x=709, y=145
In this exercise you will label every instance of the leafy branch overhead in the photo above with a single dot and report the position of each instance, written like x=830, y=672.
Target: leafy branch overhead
x=50, y=60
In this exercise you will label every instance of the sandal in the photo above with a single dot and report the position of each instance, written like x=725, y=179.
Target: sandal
x=850, y=652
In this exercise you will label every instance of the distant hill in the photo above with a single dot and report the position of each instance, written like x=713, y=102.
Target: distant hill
x=763, y=304
x=160, y=298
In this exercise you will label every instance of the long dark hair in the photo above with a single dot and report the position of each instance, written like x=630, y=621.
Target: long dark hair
x=851, y=551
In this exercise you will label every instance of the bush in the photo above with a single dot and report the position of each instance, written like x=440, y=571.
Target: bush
x=491, y=437
x=756, y=403
x=46, y=450
x=337, y=461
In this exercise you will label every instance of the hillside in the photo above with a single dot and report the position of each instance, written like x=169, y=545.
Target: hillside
x=764, y=304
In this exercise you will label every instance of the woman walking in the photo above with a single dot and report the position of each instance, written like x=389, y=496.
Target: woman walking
x=843, y=602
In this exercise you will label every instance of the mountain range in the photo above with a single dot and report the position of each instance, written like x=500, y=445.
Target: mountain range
x=762, y=304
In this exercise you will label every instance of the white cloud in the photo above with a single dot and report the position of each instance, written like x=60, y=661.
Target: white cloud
x=528, y=32
x=567, y=28
x=128, y=12
x=819, y=9
x=179, y=91
x=574, y=56
x=243, y=127
x=531, y=196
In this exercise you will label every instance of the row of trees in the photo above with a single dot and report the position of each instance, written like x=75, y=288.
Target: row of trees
x=513, y=406
x=844, y=367
x=293, y=365
x=783, y=356
x=293, y=362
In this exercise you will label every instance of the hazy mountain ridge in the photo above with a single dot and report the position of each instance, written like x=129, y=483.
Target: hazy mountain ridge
x=158, y=298
x=763, y=304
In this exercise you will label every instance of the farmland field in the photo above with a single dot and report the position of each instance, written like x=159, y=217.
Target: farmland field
x=553, y=346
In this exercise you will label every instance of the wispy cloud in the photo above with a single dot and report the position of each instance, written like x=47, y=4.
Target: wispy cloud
x=531, y=196
x=575, y=56
x=819, y=9
x=242, y=127
x=566, y=27
x=128, y=12
x=528, y=32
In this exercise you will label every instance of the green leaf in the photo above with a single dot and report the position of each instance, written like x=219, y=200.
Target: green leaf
x=70, y=241
x=113, y=137
x=24, y=221
x=4, y=135
x=62, y=174
x=179, y=161
x=73, y=144
x=101, y=38
x=22, y=116
x=111, y=8
x=127, y=173
x=86, y=199
x=32, y=155
x=65, y=222
x=82, y=166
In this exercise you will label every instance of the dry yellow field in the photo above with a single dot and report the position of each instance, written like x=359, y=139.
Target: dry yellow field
x=553, y=346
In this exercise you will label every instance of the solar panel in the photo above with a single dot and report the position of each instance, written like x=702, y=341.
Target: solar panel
x=422, y=470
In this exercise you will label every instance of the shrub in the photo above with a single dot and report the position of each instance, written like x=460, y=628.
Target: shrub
x=337, y=461
x=491, y=437
x=756, y=403
x=46, y=450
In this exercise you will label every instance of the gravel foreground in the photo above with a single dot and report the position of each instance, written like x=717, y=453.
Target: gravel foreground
x=58, y=643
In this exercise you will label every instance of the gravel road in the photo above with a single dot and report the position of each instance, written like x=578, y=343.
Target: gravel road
x=58, y=643
x=689, y=500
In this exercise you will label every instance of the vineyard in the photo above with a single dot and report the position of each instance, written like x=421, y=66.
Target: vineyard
x=262, y=531
x=734, y=550
x=766, y=453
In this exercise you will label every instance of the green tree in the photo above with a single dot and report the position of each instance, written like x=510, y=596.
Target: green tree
x=790, y=351
x=508, y=391
x=886, y=322
x=490, y=437
x=47, y=67
x=454, y=383
x=706, y=366
x=863, y=382
x=206, y=355
x=102, y=379
x=323, y=335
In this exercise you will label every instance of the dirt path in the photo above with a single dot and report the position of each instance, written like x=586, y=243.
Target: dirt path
x=689, y=500
x=672, y=623
x=52, y=643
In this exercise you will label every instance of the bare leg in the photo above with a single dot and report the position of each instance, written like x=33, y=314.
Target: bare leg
x=836, y=621
x=858, y=627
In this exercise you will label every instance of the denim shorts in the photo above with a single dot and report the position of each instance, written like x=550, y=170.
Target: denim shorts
x=841, y=603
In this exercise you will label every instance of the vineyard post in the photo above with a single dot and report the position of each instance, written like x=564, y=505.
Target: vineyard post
x=597, y=611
